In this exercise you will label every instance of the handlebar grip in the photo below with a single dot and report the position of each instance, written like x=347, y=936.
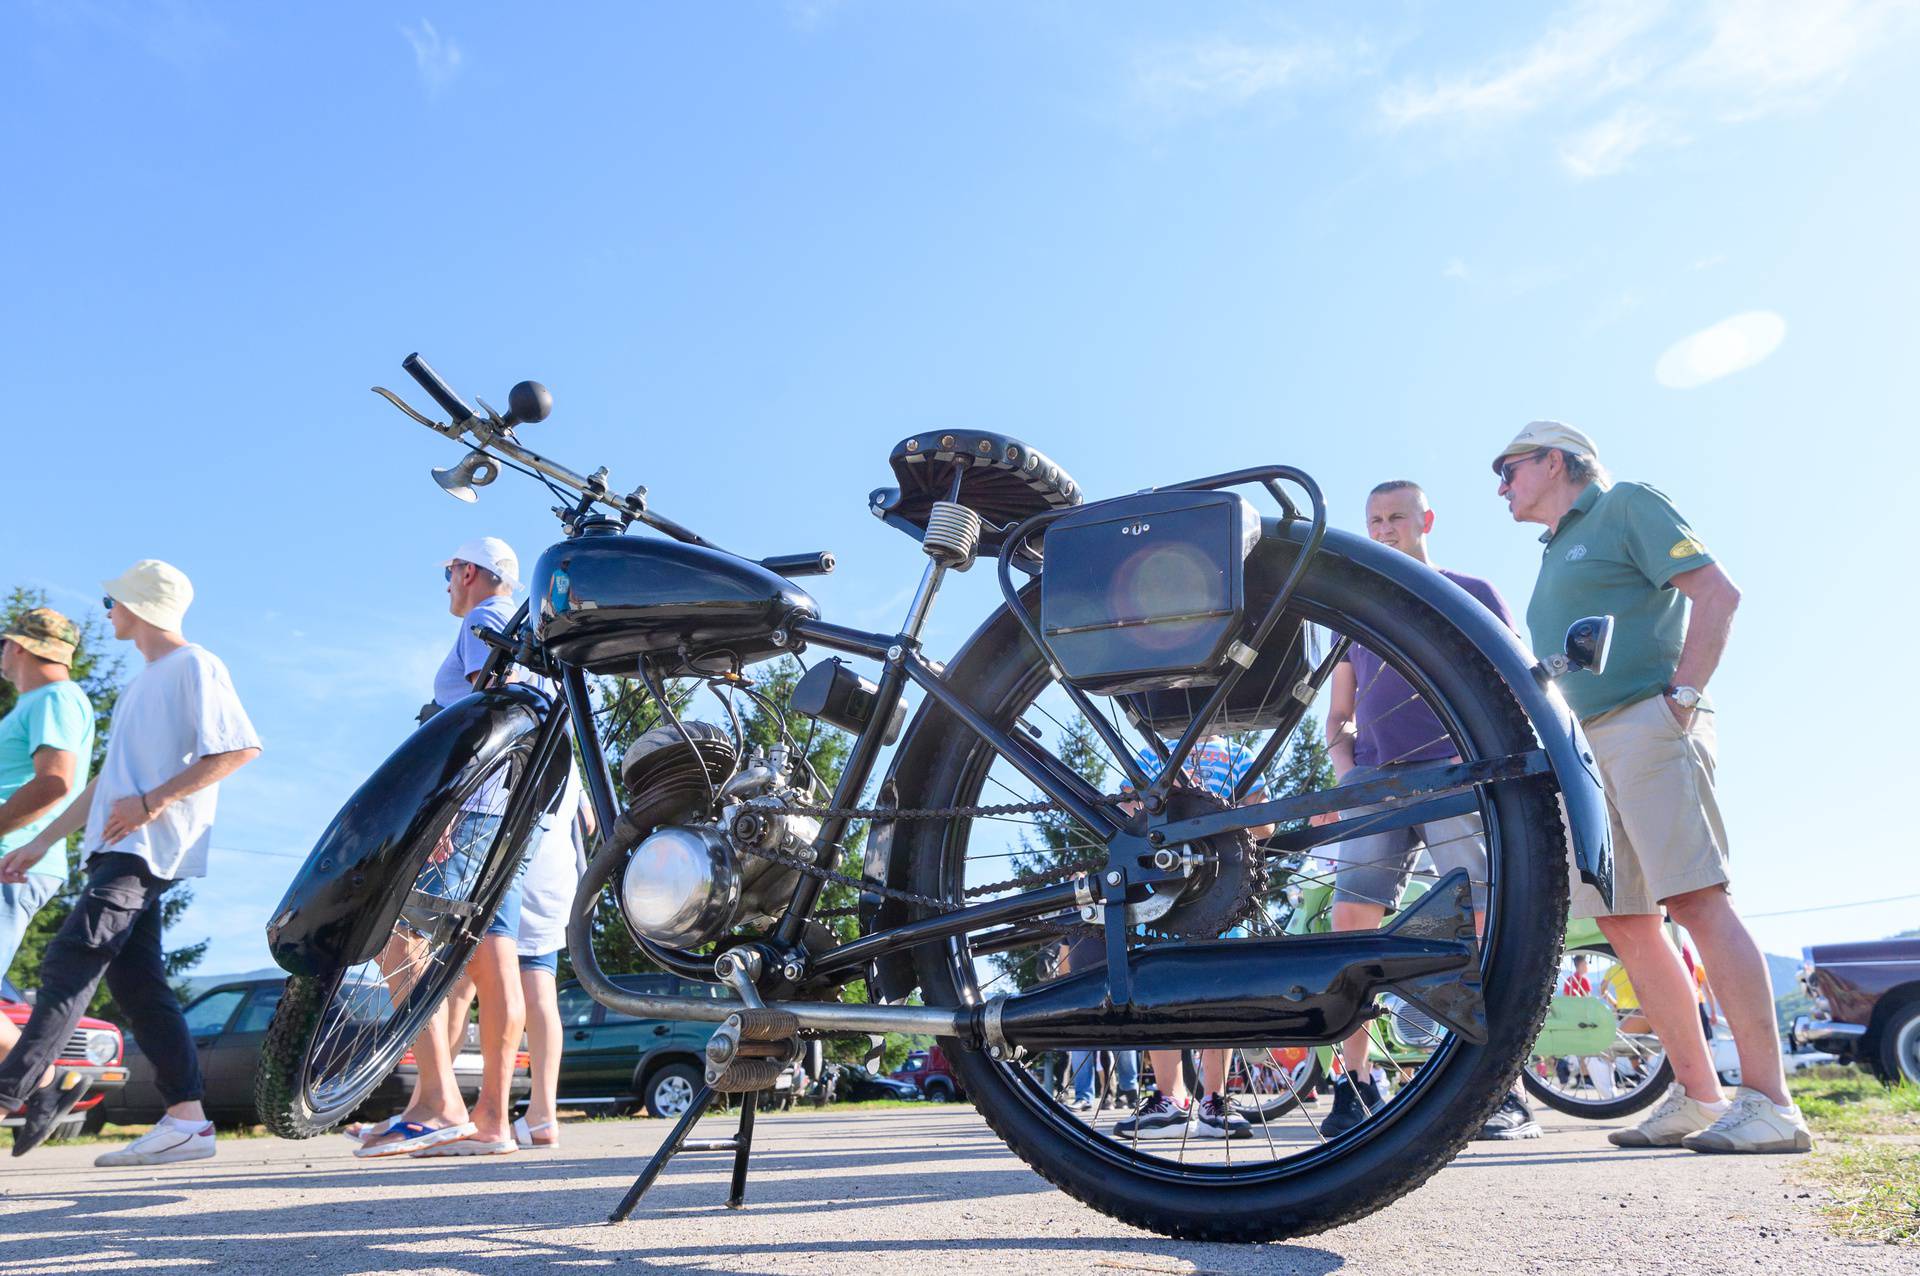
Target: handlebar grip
x=442, y=393
x=819, y=563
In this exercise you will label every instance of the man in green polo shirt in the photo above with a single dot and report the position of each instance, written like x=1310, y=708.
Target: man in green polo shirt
x=1622, y=549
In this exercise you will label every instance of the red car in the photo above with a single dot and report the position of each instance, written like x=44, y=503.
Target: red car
x=930, y=1073
x=95, y=1050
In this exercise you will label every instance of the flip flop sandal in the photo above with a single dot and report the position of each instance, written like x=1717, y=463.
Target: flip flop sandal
x=466, y=1145
x=415, y=1136
x=523, y=1134
x=365, y=1130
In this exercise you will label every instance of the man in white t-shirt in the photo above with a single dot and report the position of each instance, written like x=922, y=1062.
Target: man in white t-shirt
x=178, y=730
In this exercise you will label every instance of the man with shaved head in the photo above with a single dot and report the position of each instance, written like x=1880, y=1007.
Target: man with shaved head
x=1376, y=724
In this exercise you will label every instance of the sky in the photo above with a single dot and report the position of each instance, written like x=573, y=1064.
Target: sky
x=750, y=247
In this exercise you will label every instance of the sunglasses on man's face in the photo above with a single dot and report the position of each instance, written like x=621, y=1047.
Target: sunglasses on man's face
x=450, y=569
x=1508, y=470
x=106, y=601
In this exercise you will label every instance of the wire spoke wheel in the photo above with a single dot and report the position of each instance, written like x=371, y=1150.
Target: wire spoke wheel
x=1278, y=1175
x=1631, y=1072
x=336, y=1037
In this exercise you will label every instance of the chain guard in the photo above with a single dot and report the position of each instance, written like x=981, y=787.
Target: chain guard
x=1224, y=890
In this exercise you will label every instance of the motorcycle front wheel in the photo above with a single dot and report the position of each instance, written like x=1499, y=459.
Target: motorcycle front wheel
x=1283, y=1177
x=335, y=1037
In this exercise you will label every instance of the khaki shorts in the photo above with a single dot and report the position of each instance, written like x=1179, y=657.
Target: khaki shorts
x=1668, y=837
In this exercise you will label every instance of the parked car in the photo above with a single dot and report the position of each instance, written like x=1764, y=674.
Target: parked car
x=1866, y=1005
x=929, y=1072
x=229, y=1026
x=851, y=1083
x=614, y=1061
x=95, y=1049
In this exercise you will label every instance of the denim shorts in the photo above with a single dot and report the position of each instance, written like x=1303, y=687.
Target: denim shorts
x=549, y=962
x=472, y=837
x=18, y=904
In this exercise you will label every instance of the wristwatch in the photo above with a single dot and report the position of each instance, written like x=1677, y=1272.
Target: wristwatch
x=1685, y=697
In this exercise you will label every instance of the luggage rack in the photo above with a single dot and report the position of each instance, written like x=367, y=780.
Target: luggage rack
x=1154, y=791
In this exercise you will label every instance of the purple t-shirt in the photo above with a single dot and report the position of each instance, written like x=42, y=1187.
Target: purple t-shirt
x=1394, y=724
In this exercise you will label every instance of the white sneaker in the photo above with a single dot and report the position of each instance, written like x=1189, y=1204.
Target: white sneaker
x=1672, y=1119
x=163, y=1144
x=1753, y=1124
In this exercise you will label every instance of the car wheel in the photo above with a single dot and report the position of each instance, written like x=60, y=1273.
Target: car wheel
x=670, y=1091
x=939, y=1092
x=1900, y=1044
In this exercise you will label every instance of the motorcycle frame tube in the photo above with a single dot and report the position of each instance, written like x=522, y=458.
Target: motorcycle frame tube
x=903, y=663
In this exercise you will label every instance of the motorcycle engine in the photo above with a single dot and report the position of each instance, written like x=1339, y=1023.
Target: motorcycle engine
x=692, y=881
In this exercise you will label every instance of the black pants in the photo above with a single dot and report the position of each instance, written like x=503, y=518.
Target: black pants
x=114, y=930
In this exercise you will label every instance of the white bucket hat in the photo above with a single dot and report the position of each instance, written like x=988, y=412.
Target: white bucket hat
x=493, y=554
x=159, y=593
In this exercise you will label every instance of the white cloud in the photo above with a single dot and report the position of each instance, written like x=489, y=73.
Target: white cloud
x=1730, y=346
x=1455, y=269
x=438, y=59
x=1618, y=77
x=1605, y=148
x=1579, y=54
x=1227, y=73
x=1766, y=55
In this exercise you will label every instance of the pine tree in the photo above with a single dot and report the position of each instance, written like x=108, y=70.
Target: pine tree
x=97, y=669
x=1055, y=840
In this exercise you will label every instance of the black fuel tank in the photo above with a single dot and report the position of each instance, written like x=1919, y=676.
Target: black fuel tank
x=602, y=601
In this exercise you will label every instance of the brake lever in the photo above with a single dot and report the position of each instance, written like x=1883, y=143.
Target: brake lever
x=429, y=422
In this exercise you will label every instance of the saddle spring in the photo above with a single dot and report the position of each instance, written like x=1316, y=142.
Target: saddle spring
x=953, y=535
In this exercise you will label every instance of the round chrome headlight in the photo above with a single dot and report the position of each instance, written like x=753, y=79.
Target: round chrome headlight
x=101, y=1047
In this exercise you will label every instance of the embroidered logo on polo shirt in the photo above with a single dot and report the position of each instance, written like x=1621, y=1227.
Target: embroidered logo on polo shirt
x=1686, y=548
x=1577, y=553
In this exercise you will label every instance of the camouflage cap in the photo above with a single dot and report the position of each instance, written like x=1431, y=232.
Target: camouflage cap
x=46, y=633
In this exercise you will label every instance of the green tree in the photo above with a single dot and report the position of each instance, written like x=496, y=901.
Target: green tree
x=98, y=670
x=1055, y=840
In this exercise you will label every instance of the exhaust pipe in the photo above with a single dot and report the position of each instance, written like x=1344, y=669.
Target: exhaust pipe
x=1296, y=990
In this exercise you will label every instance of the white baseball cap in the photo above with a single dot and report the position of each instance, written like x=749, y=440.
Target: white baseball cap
x=493, y=554
x=159, y=593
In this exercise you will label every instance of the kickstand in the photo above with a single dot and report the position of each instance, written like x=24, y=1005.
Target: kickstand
x=740, y=1144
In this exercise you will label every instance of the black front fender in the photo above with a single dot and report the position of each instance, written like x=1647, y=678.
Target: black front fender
x=342, y=906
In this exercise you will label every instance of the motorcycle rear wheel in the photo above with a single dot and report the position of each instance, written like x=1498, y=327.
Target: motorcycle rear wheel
x=1260, y=1194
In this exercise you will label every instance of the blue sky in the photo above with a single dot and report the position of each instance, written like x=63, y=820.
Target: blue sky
x=749, y=247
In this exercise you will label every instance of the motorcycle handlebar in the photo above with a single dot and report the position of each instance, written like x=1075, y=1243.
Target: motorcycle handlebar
x=442, y=393
x=791, y=565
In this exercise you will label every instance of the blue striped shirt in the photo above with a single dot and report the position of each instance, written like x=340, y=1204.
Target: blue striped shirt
x=1215, y=765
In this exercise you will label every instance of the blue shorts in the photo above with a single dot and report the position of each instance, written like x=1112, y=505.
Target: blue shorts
x=549, y=962
x=18, y=904
x=472, y=837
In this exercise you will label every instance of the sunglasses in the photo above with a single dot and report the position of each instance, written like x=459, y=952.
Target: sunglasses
x=450, y=568
x=1508, y=470
x=106, y=601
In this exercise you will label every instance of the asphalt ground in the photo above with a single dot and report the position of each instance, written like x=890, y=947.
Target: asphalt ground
x=882, y=1193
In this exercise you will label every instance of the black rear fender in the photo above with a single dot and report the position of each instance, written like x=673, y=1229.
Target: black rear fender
x=342, y=906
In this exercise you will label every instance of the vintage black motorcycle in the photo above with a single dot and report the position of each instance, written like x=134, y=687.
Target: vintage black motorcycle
x=1163, y=618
